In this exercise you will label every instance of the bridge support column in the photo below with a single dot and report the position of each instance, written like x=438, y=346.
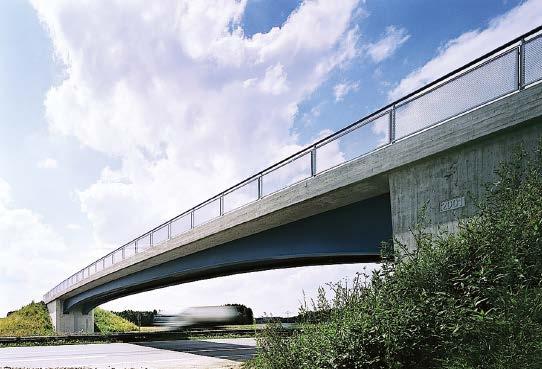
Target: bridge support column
x=447, y=185
x=73, y=322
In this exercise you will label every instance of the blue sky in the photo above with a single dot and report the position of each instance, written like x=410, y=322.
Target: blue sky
x=115, y=117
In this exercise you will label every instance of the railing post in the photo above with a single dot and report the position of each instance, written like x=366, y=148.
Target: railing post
x=313, y=161
x=260, y=187
x=151, y=244
x=192, y=219
x=521, y=65
x=169, y=231
x=221, y=201
x=123, y=253
x=392, y=124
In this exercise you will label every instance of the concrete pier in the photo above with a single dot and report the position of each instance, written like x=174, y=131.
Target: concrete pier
x=75, y=321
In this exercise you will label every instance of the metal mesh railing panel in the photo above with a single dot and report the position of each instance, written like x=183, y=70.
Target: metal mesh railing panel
x=117, y=256
x=108, y=261
x=533, y=60
x=241, y=196
x=474, y=88
x=160, y=235
x=180, y=225
x=143, y=243
x=359, y=141
x=207, y=212
x=129, y=250
x=288, y=174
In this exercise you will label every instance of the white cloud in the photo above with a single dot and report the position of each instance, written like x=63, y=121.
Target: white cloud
x=308, y=117
x=340, y=90
x=275, y=80
x=5, y=193
x=31, y=250
x=472, y=44
x=186, y=103
x=182, y=97
x=73, y=227
x=47, y=163
x=388, y=44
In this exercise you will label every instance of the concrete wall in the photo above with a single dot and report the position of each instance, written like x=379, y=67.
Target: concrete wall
x=457, y=174
x=73, y=322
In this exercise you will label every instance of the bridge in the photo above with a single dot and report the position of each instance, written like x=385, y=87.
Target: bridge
x=336, y=200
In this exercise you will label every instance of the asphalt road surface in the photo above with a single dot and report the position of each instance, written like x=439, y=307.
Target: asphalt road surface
x=215, y=353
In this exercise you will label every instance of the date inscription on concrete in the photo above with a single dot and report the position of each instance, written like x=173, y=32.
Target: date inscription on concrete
x=452, y=204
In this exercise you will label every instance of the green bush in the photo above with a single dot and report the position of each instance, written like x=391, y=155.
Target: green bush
x=108, y=322
x=472, y=299
x=31, y=320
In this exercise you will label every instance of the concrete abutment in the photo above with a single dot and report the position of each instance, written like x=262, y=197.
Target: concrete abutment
x=75, y=321
x=444, y=188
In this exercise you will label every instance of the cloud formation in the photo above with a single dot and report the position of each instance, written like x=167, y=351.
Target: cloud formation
x=182, y=97
x=472, y=44
x=177, y=94
x=47, y=163
x=340, y=90
x=32, y=248
x=388, y=44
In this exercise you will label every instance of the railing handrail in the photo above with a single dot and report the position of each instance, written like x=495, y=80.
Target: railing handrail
x=307, y=149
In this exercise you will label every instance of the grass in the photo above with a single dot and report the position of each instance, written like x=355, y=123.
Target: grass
x=108, y=322
x=460, y=301
x=31, y=320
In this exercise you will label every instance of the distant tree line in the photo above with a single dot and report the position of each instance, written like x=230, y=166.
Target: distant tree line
x=275, y=319
x=146, y=318
x=139, y=318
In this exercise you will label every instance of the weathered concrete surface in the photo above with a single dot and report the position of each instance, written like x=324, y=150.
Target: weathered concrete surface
x=73, y=322
x=359, y=179
x=418, y=190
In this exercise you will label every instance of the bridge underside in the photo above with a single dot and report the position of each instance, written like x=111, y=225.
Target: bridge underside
x=348, y=234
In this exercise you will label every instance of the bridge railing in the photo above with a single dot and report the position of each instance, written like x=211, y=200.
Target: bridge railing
x=503, y=71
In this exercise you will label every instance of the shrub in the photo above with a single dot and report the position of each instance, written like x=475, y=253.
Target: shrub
x=472, y=299
x=108, y=322
x=31, y=320
x=139, y=318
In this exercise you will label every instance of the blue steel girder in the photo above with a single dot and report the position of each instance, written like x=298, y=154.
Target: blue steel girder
x=348, y=234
